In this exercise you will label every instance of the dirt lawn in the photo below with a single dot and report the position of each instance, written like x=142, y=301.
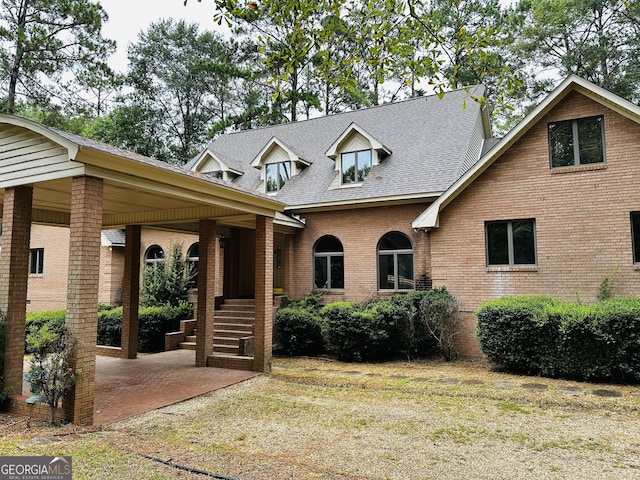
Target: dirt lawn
x=319, y=419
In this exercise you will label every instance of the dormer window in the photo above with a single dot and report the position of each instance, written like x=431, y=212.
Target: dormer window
x=277, y=175
x=355, y=166
x=277, y=163
x=213, y=166
x=355, y=153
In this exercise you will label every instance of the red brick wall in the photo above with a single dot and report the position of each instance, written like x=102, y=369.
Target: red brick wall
x=359, y=231
x=583, y=231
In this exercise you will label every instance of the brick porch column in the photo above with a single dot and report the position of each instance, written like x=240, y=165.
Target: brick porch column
x=263, y=326
x=131, y=292
x=14, y=273
x=82, y=294
x=206, y=291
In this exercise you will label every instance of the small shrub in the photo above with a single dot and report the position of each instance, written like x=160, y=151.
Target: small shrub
x=166, y=282
x=53, y=319
x=110, y=327
x=299, y=330
x=154, y=322
x=515, y=334
x=49, y=372
x=362, y=333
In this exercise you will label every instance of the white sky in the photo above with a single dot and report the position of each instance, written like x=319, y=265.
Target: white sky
x=128, y=17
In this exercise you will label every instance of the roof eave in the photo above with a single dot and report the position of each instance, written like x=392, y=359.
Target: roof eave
x=430, y=217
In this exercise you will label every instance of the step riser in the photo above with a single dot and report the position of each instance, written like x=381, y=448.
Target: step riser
x=232, y=319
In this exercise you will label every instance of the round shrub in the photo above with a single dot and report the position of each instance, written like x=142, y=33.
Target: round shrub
x=299, y=331
x=515, y=333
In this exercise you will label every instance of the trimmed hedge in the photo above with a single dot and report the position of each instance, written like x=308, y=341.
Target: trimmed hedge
x=299, y=331
x=379, y=330
x=543, y=336
x=154, y=322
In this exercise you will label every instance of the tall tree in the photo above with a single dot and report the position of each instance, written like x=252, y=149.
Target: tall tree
x=40, y=40
x=598, y=40
x=185, y=78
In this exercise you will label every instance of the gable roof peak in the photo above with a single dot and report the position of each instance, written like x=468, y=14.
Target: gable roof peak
x=333, y=150
x=276, y=142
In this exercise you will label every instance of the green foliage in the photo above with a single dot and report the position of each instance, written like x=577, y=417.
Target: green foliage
x=153, y=323
x=49, y=373
x=53, y=320
x=166, y=283
x=438, y=315
x=605, y=289
x=298, y=327
x=351, y=331
x=513, y=332
x=543, y=336
x=42, y=40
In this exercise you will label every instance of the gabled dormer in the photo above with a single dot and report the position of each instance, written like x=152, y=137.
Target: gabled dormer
x=212, y=165
x=277, y=163
x=355, y=152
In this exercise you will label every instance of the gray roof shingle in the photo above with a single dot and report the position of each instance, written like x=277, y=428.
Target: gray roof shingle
x=428, y=137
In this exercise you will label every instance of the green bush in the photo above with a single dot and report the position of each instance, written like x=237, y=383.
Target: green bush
x=298, y=329
x=153, y=323
x=370, y=332
x=110, y=327
x=36, y=321
x=50, y=372
x=166, y=282
x=543, y=336
x=513, y=330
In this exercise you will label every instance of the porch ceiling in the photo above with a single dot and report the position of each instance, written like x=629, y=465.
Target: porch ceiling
x=137, y=189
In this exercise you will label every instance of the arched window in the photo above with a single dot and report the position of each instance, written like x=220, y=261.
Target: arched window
x=193, y=257
x=328, y=263
x=153, y=255
x=395, y=262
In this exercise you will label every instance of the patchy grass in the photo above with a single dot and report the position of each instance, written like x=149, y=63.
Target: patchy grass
x=319, y=419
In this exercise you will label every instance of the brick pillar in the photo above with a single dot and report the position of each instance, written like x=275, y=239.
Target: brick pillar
x=14, y=273
x=289, y=265
x=131, y=292
x=206, y=291
x=263, y=326
x=82, y=294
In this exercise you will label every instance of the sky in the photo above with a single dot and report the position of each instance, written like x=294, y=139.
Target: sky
x=128, y=17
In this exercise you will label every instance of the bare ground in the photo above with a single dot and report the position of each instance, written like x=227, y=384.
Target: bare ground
x=319, y=419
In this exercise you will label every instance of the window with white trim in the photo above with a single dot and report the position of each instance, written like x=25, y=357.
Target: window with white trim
x=576, y=142
x=355, y=166
x=276, y=175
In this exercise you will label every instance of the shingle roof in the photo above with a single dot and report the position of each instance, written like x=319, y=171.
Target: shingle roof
x=113, y=238
x=428, y=137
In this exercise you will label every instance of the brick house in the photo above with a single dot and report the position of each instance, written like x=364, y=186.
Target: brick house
x=553, y=208
x=397, y=197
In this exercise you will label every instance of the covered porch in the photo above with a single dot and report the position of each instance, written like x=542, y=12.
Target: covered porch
x=54, y=178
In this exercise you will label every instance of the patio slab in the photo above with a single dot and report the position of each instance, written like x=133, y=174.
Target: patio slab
x=129, y=387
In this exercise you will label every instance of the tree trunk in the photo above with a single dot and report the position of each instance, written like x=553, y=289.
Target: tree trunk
x=19, y=55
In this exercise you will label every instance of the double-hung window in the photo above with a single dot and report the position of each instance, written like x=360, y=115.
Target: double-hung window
x=395, y=262
x=36, y=261
x=355, y=166
x=511, y=242
x=576, y=142
x=277, y=175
